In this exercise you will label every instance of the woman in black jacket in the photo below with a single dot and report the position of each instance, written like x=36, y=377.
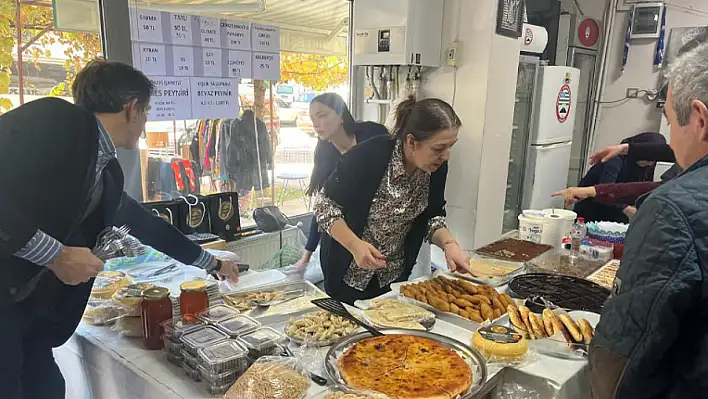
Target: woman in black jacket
x=384, y=198
x=338, y=133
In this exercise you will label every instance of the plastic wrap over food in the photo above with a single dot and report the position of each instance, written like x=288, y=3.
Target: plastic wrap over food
x=271, y=377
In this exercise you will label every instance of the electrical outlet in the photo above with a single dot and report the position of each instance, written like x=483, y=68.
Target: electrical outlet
x=632, y=92
x=453, y=53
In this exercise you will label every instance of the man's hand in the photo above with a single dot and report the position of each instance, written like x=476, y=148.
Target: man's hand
x=367, y=256
x=228, y=271
x=608, y=153
x=574, y=195
x=76, y=265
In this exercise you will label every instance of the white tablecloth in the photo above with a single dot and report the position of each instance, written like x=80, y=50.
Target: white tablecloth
x=98, y=364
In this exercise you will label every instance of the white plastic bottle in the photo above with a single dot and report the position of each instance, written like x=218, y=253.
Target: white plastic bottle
x=576, y=237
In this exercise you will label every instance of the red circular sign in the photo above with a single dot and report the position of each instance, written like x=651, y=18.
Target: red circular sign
x=588, y=32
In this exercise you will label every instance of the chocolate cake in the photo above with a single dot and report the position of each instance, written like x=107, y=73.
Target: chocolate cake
x=514, y=250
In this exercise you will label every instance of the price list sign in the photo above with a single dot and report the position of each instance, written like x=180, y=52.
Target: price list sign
x=171, y=99
x=214, y=98
x=181, y=29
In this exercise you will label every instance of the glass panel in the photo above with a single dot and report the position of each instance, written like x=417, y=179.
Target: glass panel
x=222, y=149
x=586, y=64
x=519, y=141
x=51, y=58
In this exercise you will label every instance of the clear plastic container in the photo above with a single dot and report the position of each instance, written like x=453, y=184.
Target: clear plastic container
x=173, y=347
x=200, y=338
x=263, y=342
x=238, y=325
x=193, y=373
x=224, y=357
x=227, y=377
x=218, y=313
x=175, y=359
x=179, y=326
x=218, y=390
x=189, y=361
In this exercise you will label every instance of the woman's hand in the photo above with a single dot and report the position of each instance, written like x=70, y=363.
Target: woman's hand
x=306, y=257
x=574, y=195
x=608, y=153
x=367, y=256
x=457, y=259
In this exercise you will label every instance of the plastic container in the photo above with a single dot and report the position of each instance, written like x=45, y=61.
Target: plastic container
x=172, y=347
x=215, y=314
x=189, y=360
x=238, y=325
x=227, y=377
x=193, y=373
x=179, y=326
x=577, y=235
x=263, y=342
x=224, y=357
x=175, y=359
x=218, y=390
x=531, y=226
x=107, y=283
x=201, y=338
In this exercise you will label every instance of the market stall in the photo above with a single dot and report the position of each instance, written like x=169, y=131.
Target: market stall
x=277, y=320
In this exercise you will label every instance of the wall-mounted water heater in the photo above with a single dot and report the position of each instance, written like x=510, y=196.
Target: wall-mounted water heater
x=398, y=32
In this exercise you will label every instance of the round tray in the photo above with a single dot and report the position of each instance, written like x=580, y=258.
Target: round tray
x=563, y=291
x=471, y=356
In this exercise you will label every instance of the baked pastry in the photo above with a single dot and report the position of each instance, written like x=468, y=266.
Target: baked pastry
x=572, y=327
x=524, y=311
x=515, y=318
x=499, y=342
x=547, y=323
x=586, y=329
x=558, y=326
x=405, y=367
x=539, y=330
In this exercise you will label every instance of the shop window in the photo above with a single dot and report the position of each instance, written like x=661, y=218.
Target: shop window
x=269, y=60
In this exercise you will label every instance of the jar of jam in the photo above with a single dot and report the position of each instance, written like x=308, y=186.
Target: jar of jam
x=193, y=299
x=155, y=309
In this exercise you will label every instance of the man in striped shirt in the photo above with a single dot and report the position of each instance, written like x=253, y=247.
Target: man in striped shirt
x=61, y=185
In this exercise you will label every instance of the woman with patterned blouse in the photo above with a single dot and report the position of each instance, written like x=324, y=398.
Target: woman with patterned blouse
x=384, y=198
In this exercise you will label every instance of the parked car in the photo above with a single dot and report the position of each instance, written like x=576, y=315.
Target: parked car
x=286, y=113
x=304, y=123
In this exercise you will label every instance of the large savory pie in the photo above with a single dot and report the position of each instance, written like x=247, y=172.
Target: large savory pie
x=405, y=367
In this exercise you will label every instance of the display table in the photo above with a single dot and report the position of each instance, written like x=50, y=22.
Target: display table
x=99, y=364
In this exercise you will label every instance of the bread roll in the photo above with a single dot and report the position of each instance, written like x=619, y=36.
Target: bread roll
x=586, y=329
x=572, y=327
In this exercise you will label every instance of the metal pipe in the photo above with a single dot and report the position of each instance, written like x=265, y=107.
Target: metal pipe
x=275, y=135
x=609, y=20
x=20, y=66
x=350, y=58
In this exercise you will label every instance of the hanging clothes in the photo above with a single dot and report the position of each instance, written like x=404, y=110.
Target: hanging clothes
x=242, y=161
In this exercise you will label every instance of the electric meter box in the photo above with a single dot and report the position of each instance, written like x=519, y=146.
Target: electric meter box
x=398, y=32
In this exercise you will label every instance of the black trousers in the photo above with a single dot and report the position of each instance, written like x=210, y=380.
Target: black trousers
x=27, y=366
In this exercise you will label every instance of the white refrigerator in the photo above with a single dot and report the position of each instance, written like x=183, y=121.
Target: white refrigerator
x=555, y=100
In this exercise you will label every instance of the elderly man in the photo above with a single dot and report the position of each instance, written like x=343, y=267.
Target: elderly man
x=652, y=340
x=60, y=186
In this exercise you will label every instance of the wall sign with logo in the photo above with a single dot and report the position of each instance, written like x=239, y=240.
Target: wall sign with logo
x=172, y=47
x=563, y=103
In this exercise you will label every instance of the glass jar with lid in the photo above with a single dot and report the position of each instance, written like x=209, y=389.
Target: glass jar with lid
x=155, y=309
x=193, y=299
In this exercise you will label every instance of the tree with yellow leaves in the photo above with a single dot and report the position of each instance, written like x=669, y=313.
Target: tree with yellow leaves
x=317, y=72
x=37, y=27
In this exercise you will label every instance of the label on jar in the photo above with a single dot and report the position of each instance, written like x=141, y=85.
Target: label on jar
x=500, y=334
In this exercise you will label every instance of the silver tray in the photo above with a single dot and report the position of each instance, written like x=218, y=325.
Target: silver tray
x=517, y=268
x=470, y=355
x=273, y=316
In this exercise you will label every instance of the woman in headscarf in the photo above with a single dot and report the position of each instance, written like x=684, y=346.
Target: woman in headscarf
x=622, y=169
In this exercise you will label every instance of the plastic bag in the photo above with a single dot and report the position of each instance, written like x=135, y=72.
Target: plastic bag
x=129, y=326
x=101, y=312
x=271, y=377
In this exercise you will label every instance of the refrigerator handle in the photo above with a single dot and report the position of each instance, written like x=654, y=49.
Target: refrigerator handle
x=553, y=146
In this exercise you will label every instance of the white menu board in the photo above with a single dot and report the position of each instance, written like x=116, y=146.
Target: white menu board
x=149, y=26
x=171, y=99
x=183, y=61
x=214, y=98
x=265, y=38
x=210, y=30
x=211, y=62
x=237, y=35
x=181, y=29
x=266, y=66
x=152, y=58
x=239, y=64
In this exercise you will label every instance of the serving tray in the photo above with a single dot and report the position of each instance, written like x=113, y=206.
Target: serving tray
x=564, y=291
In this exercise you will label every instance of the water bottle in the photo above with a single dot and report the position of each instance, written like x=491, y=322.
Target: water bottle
x=576, y=237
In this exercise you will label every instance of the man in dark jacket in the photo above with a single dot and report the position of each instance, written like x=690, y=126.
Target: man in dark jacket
x=60, y=186
x=652, y=340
